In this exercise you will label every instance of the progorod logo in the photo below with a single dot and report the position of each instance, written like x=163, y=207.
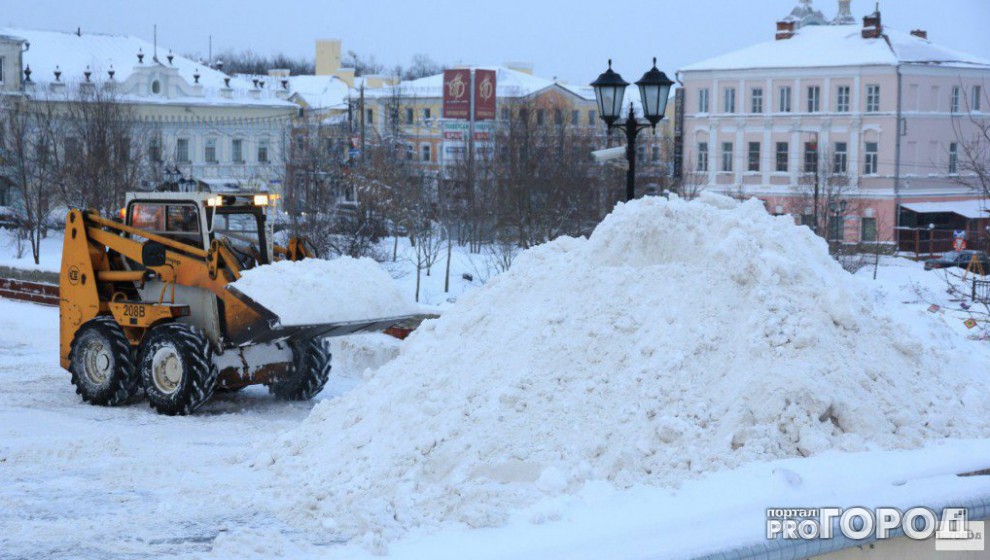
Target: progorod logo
x=953, y=531
x=456, y=88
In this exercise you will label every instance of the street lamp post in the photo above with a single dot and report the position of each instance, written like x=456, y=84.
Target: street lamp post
x=654, y=90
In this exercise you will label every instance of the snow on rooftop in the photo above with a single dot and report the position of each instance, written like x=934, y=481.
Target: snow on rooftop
x=99, y=52
x=320, y=92
x=73, y=54
x=509, y=83
x=840, y=45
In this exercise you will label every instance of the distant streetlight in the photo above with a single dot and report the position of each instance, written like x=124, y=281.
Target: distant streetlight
x=654, y=91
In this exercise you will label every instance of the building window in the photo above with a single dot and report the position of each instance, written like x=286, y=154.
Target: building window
x=730, y=100
x=870, y=167
x=956, y=96
x=182, y=150
x=841, y=158
x=210, y=152
x=263, y=151
x=808, y=220
x=156, y=87
x=872, y=99
x=836, y=227
x=541, y=116
x=814, y=99
x=575, y=117
x=726, y=156
x=237, y=150
x=757, y=101
x=811, y=157
x=868, y=230
x=505, y=114
x=754, y=156
x=370, y=116
x=410, y=152
x=953, y=158
x=425, y=153
x=842, y=99
x=426, y=113
x=703, y=100
x=977, y=92
x=655, y=153
x=592, y=117
x=558, y=117
x=703, y=156
x=785, y=99
x=782, y=157
x=155, y=149
x=409, y=115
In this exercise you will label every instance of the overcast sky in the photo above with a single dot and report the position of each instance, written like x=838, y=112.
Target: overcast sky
x=570, y=39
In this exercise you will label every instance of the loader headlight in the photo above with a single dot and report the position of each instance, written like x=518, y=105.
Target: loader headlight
x=261, y=200
x=215, y=201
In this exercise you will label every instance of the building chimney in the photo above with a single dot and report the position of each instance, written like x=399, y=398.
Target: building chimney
x=920, y=33
x=785, y=30
x=872, y=28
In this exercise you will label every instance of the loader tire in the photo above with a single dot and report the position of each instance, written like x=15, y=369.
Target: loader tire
x=177, y=368
x=309, y=372
x=101, y=364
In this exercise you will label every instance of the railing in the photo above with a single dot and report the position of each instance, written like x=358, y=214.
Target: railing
x=981, y=291
x=924, y=243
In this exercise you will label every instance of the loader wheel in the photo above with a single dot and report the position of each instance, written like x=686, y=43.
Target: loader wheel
x=100, y=363
x=177, y=368
x=309, y=373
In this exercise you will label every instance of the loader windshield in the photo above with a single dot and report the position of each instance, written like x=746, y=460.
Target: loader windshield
x=242, y=228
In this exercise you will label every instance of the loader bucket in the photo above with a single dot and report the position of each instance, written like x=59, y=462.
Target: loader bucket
x=268, y=326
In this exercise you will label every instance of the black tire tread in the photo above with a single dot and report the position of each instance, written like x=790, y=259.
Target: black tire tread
x=202, y=370
x=124, y=385
x=309, y=374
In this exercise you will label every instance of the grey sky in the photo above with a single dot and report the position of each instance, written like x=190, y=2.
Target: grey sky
x=570, y=39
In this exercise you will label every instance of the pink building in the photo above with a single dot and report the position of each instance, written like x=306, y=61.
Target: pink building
x=821, y=104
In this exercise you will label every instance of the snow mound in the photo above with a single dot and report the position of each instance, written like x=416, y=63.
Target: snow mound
x=680, y=338
x=314, y=291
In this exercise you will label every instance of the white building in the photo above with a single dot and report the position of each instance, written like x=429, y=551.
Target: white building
x=880, y=108
x=219, y=130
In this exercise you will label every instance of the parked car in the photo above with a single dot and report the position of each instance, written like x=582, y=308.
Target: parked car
x=9, y=218
x=960, y=259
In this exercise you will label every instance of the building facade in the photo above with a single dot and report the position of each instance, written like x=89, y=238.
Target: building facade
x=869, y=117
x=195, y=121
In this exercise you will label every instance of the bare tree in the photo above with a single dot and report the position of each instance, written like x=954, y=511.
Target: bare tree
x=32, y=162
x=105, y=155
x=972, y=133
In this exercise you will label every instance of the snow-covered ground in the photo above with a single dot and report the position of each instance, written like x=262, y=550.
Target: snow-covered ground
x=79, y=481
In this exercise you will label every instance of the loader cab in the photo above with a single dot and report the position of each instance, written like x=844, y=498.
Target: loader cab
x=196, y=219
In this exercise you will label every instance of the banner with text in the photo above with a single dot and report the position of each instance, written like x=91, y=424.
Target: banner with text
x=484, y=95
x=456, y=94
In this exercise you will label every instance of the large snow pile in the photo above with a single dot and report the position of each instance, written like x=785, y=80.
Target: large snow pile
x=319, y=291
x=680, y=338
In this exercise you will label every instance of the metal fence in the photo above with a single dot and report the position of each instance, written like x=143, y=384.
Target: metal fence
x=981, y=291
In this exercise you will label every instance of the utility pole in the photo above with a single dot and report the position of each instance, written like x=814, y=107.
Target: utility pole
x=362, y=119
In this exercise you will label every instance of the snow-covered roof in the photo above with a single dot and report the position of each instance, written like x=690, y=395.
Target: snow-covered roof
x=971, y=209
x=320, y=92
x=509, y=83
x=99, y=52
x=73, y=54
x=839, y=45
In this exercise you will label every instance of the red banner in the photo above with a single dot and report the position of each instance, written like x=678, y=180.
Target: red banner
x=484, y=95
x=456, y=94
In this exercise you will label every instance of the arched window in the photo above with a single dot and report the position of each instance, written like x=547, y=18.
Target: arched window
x=156, y=87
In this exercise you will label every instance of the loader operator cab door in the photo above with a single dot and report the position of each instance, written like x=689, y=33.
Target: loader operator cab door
x=242, y=227
x=179, y=221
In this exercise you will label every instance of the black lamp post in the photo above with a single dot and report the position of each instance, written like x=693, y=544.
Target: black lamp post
x=654, y=90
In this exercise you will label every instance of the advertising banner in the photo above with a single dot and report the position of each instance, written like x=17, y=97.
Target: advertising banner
x=484, y=95
x=457, y=94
